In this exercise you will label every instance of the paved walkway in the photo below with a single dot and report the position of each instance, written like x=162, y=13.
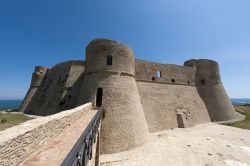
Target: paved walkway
x=203, y=145
x=53, y=153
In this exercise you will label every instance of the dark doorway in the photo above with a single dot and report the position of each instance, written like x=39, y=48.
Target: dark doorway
x=99, y=97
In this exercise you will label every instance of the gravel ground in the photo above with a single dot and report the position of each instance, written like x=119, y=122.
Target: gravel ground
x=206, y=145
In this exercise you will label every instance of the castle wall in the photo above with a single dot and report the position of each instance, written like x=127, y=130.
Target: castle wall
x=145, y=70
x=36, y=82
x=139, y=96
x=124, y=126
x=163, y=102
x=211, y=89
x=97, y=52
x=28, y=98
x=59, y=90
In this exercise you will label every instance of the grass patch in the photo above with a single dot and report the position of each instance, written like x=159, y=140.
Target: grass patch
x=244, y=124
x=10, y=120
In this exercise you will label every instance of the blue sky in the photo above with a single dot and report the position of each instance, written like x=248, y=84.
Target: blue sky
x=46, y=32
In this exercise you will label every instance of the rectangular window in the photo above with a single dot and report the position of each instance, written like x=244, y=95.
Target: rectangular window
x=203, y=81
x=109, y=60
x=158, y=73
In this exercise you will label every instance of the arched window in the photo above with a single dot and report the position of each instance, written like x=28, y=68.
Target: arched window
x=109, y=60
x=158, y=73
x=99, y=97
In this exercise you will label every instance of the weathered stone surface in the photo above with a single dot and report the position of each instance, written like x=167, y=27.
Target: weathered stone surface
x=139, y=96
x=124, y=126
x=56, y=150
x=18, y=142
x=160, y=102
x=58, y=90
x=211, y=90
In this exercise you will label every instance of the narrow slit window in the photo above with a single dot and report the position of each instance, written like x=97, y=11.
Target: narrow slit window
x=158, y=73
x=99, y=94
x=203, y=81
x=172, y=80
x=109, y=60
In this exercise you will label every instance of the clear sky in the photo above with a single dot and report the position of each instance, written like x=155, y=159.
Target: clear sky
x=46, y=32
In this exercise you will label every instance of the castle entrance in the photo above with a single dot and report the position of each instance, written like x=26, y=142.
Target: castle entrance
x=99, y=97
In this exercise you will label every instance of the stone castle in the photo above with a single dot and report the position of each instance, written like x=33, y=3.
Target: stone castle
x=140, y=97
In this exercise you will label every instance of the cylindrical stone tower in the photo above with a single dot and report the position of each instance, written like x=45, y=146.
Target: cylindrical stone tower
x=37, y=79
x=109, y=81
x=210, y=88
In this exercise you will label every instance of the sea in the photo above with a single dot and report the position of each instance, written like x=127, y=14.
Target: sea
x=10, y=104
x=15, y=104
x=242, y=101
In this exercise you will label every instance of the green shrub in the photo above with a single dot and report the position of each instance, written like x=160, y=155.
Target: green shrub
x=3, y=120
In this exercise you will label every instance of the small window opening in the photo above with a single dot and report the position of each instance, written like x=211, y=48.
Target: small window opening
x=62, y=102
x=42, y=98
x=69, y=97
x=158, y=73
x=153, y=78
x=41, y=71
x=203, y=81
x=99, y=97
x=188, y=82
x=109, y=60
x=173, y=80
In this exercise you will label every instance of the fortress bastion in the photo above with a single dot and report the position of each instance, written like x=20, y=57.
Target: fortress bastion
x=140, y=97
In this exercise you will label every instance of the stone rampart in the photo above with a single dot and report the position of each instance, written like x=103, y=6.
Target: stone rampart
x=109, y=81
x=18, y=142
x=164, y=73
x=162, y=103
x=211, y=89
x=59, y=90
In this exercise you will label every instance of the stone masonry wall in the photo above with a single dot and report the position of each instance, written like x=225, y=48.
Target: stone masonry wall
x=145, y=70
x=124, y=126
x=18, y=142
x=163, y=102
x=59, y=90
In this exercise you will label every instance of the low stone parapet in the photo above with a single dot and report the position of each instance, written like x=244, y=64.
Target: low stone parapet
x=18, y=142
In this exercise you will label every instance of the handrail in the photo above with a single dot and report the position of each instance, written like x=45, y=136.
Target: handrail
x=81, y=152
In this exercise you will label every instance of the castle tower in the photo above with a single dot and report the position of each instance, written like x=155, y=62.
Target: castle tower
x=211, y=90
x=109, y=81
x=37, y=79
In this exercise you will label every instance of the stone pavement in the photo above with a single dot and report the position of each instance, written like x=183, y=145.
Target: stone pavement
x=203, y=145
x=53, y=153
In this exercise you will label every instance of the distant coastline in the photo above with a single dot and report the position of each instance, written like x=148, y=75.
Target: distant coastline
x=240, y=101
x=10, y=104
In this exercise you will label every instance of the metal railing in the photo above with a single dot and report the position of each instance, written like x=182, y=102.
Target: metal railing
x=81, y=152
